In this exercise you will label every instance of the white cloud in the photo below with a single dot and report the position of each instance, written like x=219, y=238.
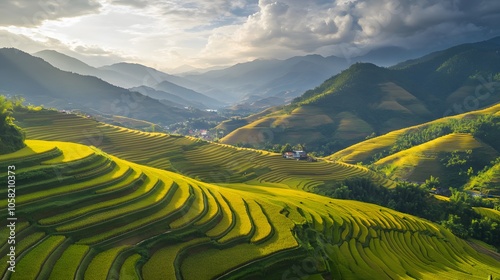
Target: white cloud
x=170, y=33
x=33, y=13
x=93, y=55
x=293, y=26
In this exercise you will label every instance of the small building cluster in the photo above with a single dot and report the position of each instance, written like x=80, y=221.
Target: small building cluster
x=298, y=155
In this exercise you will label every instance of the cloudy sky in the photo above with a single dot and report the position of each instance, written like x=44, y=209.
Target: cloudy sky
x=170, y=33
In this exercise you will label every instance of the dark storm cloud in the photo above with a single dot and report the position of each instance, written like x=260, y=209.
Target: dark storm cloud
x=28, y=13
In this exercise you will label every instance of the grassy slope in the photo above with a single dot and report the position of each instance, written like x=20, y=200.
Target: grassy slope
x=302, y=125
x=126, y=224
x=130, y=123
x=209, y=162
x=419, y=162
x=230, y=125
x=364, y=151
x=490, y=179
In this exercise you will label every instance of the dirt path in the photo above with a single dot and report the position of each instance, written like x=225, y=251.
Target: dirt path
x=485, y=251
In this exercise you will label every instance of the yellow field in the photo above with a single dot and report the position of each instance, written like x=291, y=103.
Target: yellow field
x=487, y=212
x=259, y=221
x=365, y=150
x=421, y=161
x=208, y=162
x=32, y=148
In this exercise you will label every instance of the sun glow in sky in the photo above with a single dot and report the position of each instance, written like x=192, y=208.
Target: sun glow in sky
x=171, y=33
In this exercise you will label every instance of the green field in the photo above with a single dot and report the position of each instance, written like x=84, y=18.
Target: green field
x=121, y=219
x=302, y=125
x=419, y=162
x=489, y=180
x=205, y=161
x=366, y=150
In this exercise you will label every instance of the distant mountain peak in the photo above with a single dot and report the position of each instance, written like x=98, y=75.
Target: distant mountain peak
x=65, y=62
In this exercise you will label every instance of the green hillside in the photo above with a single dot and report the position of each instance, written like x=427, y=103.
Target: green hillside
x=11, y=136
x=367, y=100
x=419, y=162
x=102, y=217
x=368, y=150
x=487, y=180
x=454, y=149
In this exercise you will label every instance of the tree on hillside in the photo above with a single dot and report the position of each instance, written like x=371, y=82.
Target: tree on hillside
x=286, y=148
x=300, y=147
x=410, y=198
x=431, y=183
x=11, y=136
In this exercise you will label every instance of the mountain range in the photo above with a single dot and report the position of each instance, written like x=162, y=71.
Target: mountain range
x=361, y=101
x=41, y=83
x=366, y=99
x=130, y=75
x=244, y=84
x=244, y=87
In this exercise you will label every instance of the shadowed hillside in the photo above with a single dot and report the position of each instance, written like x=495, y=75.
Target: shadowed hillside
x=41, y=83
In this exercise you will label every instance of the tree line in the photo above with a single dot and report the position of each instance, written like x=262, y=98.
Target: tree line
x=11, y=136
x=457, y=214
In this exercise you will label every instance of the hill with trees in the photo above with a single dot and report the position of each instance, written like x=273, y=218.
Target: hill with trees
x=455, y=149
x=446, y=171
x=367, y=100
x=11, y=136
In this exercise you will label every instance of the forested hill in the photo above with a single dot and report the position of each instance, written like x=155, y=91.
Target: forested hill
x=11, y=136
x=366, y=99
x=433, y=77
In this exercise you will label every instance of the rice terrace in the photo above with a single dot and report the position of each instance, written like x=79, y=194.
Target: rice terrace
x=252, y=140
x=106, y=217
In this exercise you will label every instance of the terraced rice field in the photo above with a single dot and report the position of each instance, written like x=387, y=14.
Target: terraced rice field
x=488, y=180
x=487, y=212
x=365, y=150
x=207, y=162
x=102, y=217
x=419, y=162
